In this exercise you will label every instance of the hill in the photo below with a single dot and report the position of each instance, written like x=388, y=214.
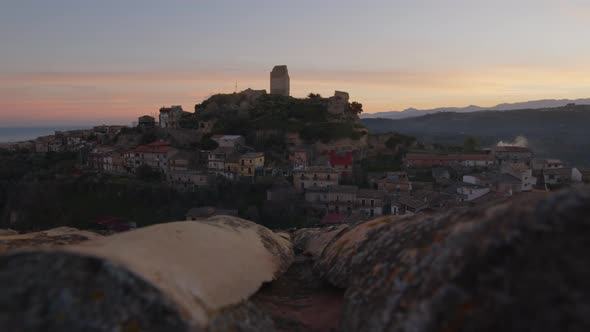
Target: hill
x=558, y=133
x=544, y=103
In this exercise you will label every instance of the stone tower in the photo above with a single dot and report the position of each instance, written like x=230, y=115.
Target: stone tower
x=279, y=81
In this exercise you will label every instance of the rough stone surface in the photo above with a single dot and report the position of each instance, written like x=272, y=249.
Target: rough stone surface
x=193, y=270
x=57, y=291
x=312, y=241
x=520, y=266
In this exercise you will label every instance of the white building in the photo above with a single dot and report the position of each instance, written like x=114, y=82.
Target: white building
x=470, y=191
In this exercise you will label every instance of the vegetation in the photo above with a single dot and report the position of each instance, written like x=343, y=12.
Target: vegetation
x=45, y=191
x=471, y=143
x=279, y=115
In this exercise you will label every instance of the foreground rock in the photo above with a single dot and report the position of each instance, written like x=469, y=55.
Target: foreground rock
x=520, y=266
x=171, y=277
x=11, y=240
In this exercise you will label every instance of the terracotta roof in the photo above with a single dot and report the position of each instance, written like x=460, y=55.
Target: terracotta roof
x=340, y=158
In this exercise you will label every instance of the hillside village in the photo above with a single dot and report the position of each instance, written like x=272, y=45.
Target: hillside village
x=311, y=153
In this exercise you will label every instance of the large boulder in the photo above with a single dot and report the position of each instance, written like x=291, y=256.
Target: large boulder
x=171, y=277
x=312, y=241
x=519, y=266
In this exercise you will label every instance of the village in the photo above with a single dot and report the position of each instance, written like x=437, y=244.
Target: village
x=328, y=179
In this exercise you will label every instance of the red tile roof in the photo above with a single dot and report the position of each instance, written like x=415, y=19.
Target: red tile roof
x=340, y=159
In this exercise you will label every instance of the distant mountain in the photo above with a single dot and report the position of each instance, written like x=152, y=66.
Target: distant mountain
x=551, y=132
x=411, y=112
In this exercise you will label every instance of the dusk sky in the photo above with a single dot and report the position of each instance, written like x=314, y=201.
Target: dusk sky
x=90, y=62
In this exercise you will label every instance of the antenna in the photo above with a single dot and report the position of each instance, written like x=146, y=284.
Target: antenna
x=236, y=89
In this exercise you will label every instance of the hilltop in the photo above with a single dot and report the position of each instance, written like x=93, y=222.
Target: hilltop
x=560, y=132
x=255, y=114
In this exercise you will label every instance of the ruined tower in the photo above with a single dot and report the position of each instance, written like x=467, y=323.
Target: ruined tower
x=279, y=81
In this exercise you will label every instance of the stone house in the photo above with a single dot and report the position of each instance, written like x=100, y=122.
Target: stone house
x=499, y=183
x=370, y=202
x=170, y=117
x=146, y=121
x=315, y=177
x=513, y=154
x=250, y=163
x=154, y=155
x=188, y=180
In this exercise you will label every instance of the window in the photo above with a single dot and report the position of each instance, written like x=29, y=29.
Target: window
x=372, y=203
x=328, y=177
x=363, y=202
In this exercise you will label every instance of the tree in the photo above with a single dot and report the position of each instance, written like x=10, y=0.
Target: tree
x=314, y=96
x=471, y=143
x=208, y=144
x=356, y=108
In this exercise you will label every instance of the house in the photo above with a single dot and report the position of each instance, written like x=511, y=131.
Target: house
x=522, y=172
x=500, y=183
x=223, y=162
x=202, y=213
x=542, y=164
x=317, y=196
x=146, y=121
x=315, y=177
x=395, y=182
x=250, y=162
x=342, y=199
x=170, y=116
x=561, y=176
x=154, y=155
x=299, y=158
x=410, y=205
x=216, y=159
x=469, y=192
x=188, y=180
x=513, y=154
x=229, y=141
x=182, y=160
x=342, y=162
x=370, y=202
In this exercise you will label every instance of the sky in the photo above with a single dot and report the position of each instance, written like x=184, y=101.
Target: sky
x=110, y=61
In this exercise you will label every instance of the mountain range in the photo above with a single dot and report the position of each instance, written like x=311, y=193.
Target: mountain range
x=560, y=132
x=535, y=104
